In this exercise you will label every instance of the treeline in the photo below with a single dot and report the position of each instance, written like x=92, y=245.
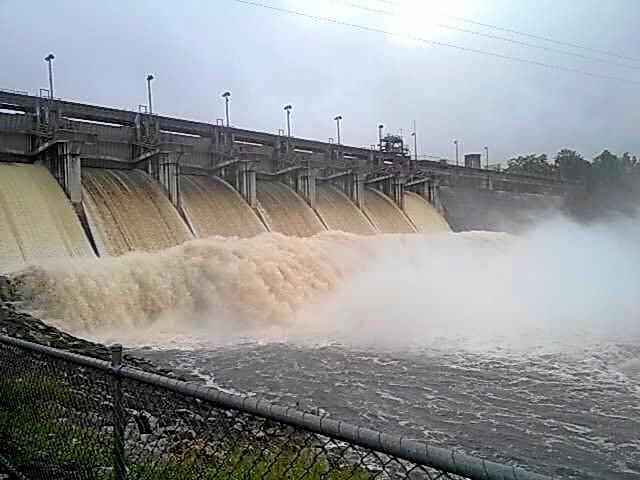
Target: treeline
x=611, y=182
x=606, y=168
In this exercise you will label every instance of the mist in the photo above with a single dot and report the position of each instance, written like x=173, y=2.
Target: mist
x=558, y=285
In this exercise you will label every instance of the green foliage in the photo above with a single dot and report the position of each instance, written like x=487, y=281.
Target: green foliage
x=239, y=464
x=530, y=164
x=571, y=165
x=37, y=422
x=43, y=426
x=607, y=167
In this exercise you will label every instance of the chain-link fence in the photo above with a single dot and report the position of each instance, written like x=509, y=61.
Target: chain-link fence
x=67, y=416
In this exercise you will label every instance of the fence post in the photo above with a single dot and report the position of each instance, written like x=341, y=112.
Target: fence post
x=118, y=413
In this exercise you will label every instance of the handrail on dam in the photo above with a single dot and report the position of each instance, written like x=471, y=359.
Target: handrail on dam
x=176, y=128
x=106, y=417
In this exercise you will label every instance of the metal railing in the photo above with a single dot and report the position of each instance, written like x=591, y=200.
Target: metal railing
x=64, y=415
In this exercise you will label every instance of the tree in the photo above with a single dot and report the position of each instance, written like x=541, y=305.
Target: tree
x=608, y=168
x=571, y=165
x=530, y=164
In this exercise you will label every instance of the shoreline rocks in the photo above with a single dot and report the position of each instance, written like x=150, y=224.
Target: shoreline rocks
x=17, y=324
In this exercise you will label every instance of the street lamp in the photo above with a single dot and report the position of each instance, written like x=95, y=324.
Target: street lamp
x=149, y=78
x=456, y=144
x=49, y=59
x=226, y=96
x=337, y=119
x=415, y=141
x=380, y=128
x=288, y=110
x=486, y=151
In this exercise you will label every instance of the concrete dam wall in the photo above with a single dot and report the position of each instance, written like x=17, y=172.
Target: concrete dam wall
x=498, y=211
x=128, y=211
x=114, y=181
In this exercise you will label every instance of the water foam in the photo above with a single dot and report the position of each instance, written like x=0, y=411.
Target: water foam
x=214, y=285
x=560, y=283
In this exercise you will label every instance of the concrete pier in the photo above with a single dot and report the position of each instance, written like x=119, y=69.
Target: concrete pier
x=67, y=136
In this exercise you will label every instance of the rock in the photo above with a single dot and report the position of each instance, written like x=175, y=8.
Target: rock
x=5, y=289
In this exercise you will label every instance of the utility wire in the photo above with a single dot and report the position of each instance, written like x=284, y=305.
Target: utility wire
x=516, y=32
x=433, y=42
x=486, y=35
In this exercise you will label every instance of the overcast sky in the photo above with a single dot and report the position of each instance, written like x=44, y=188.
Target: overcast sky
x=267, y=59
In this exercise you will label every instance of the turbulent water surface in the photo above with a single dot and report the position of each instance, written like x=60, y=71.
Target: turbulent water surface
x=521, y=349
x=573, y=415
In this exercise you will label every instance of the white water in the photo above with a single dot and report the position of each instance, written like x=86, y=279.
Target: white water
x=517, y=349
x=37, y=221
x=561, y=283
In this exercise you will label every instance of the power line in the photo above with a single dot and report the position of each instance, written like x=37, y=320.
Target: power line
x=434, y=42
x=517, y=32
x=486, y=35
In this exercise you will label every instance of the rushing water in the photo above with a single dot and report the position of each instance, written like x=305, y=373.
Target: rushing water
x=520, y=349
x=574, y=415
x=37, y=222
x=385, y=214
x=423, y=215
x=129, y=212
x=285, y=211
x=213, y=207
x=339, y=213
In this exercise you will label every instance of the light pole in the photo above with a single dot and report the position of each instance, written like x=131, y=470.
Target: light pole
x=226, y=96
x=486, y=151
x=380, y=129
x=456, y=144
x=415, y=141
x=337, y=119
x=288, y=110
x=149, y=78
x=49, y=59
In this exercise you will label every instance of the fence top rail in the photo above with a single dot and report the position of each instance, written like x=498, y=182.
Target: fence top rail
x=414, y=451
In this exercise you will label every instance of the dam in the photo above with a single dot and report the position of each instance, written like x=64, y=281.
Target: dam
x=352, y=280
x=79, y=180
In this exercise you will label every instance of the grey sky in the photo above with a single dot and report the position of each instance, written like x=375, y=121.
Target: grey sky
x=198, y=49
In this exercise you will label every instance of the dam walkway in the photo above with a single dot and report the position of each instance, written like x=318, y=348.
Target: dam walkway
x=63, y=415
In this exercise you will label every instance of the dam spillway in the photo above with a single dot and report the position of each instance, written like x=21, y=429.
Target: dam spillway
x=423, y=215
x=213, y=207
x=128, y=212
x=384, y=214
x=136, y=181
x=285, y=211
x=339, y=213
x=36, y=220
